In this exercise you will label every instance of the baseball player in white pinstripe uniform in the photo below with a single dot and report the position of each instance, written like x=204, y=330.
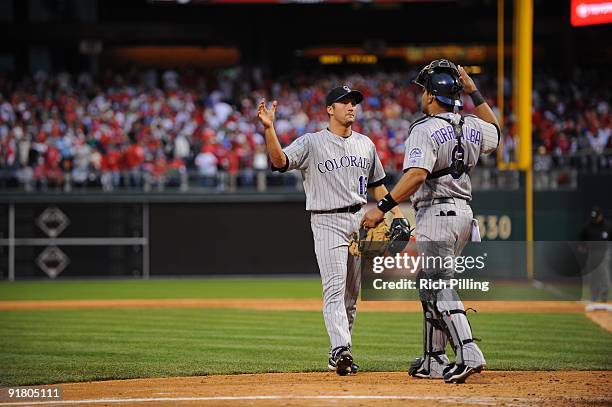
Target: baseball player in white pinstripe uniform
x=441, y=149
x=339, y=166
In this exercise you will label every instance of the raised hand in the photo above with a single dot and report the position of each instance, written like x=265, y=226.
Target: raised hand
x=468, y=83
x=265, y=115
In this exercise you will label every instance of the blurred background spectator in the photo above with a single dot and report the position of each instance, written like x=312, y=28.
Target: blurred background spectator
x=122, y=130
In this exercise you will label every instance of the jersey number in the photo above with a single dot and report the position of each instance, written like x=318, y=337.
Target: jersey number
x=363, y=185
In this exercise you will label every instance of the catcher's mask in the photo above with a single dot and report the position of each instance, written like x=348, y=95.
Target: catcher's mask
x=441, y=78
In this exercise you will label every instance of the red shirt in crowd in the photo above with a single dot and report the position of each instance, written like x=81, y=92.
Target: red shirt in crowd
x=110, y=161
x=133, y=156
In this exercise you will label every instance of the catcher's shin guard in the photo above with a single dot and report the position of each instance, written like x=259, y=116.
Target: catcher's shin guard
x=434, y=359
x=452, y=314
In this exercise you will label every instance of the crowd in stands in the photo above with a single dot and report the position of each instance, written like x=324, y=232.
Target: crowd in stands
x=161, y=128
x=571, y=122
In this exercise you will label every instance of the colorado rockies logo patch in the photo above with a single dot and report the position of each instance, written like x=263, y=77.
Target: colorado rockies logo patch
x=415, y=153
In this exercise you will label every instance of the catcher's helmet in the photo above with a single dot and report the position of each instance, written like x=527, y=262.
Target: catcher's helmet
x=441, y=78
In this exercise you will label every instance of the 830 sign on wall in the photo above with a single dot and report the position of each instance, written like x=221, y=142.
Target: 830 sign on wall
x=493, y=227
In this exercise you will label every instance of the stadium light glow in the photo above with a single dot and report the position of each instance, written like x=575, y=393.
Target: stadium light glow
x=330, y=59
x=362, y=59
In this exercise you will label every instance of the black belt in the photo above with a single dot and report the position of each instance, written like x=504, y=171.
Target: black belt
x=346, y=209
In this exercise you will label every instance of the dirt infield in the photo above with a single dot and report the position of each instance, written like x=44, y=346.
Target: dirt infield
x=289, y=304
x=569, y=388
x=601, y=318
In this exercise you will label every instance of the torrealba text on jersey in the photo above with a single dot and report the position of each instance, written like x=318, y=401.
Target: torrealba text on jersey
x=447, y=133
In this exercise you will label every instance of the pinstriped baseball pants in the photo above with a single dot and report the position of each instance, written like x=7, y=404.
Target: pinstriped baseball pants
x=438, y=234
x=454, y=230
x=340, y=272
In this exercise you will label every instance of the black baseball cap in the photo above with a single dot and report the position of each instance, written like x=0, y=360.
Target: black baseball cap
x=342, y=92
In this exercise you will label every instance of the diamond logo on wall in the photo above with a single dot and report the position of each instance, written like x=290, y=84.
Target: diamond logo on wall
x=52, y=261
x=53, y=221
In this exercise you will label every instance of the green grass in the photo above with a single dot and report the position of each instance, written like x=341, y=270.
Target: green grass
x=149, y=289
x=498, y=291
x=239, y=288
x=56, y=346
x=39, y=347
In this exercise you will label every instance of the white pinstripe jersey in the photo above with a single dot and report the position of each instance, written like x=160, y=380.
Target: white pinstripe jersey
x=336, y=170
x=430, y=144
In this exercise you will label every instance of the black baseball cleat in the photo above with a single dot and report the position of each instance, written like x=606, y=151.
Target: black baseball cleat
x=331, y=365
x=448, y=368
x=459, y=373
x=438, y=367
x=341, y=360
x=416, y=369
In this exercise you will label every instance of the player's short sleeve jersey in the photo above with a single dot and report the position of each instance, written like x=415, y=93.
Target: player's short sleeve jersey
x=337, y=171
x=430, y=145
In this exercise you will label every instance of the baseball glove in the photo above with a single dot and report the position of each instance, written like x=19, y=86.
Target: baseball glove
x=399, y=235
x=381, y=239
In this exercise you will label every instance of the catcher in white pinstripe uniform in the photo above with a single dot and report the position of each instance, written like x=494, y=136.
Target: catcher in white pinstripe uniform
x=441, y=149
x=339, y=167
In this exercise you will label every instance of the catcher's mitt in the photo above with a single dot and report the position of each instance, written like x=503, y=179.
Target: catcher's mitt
x=381, y=239
x=399, y=235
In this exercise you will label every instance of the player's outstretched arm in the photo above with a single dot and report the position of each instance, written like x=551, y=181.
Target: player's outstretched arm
x=410, y=182
x=482, y=108
x=379, y=192
x=266, y=117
